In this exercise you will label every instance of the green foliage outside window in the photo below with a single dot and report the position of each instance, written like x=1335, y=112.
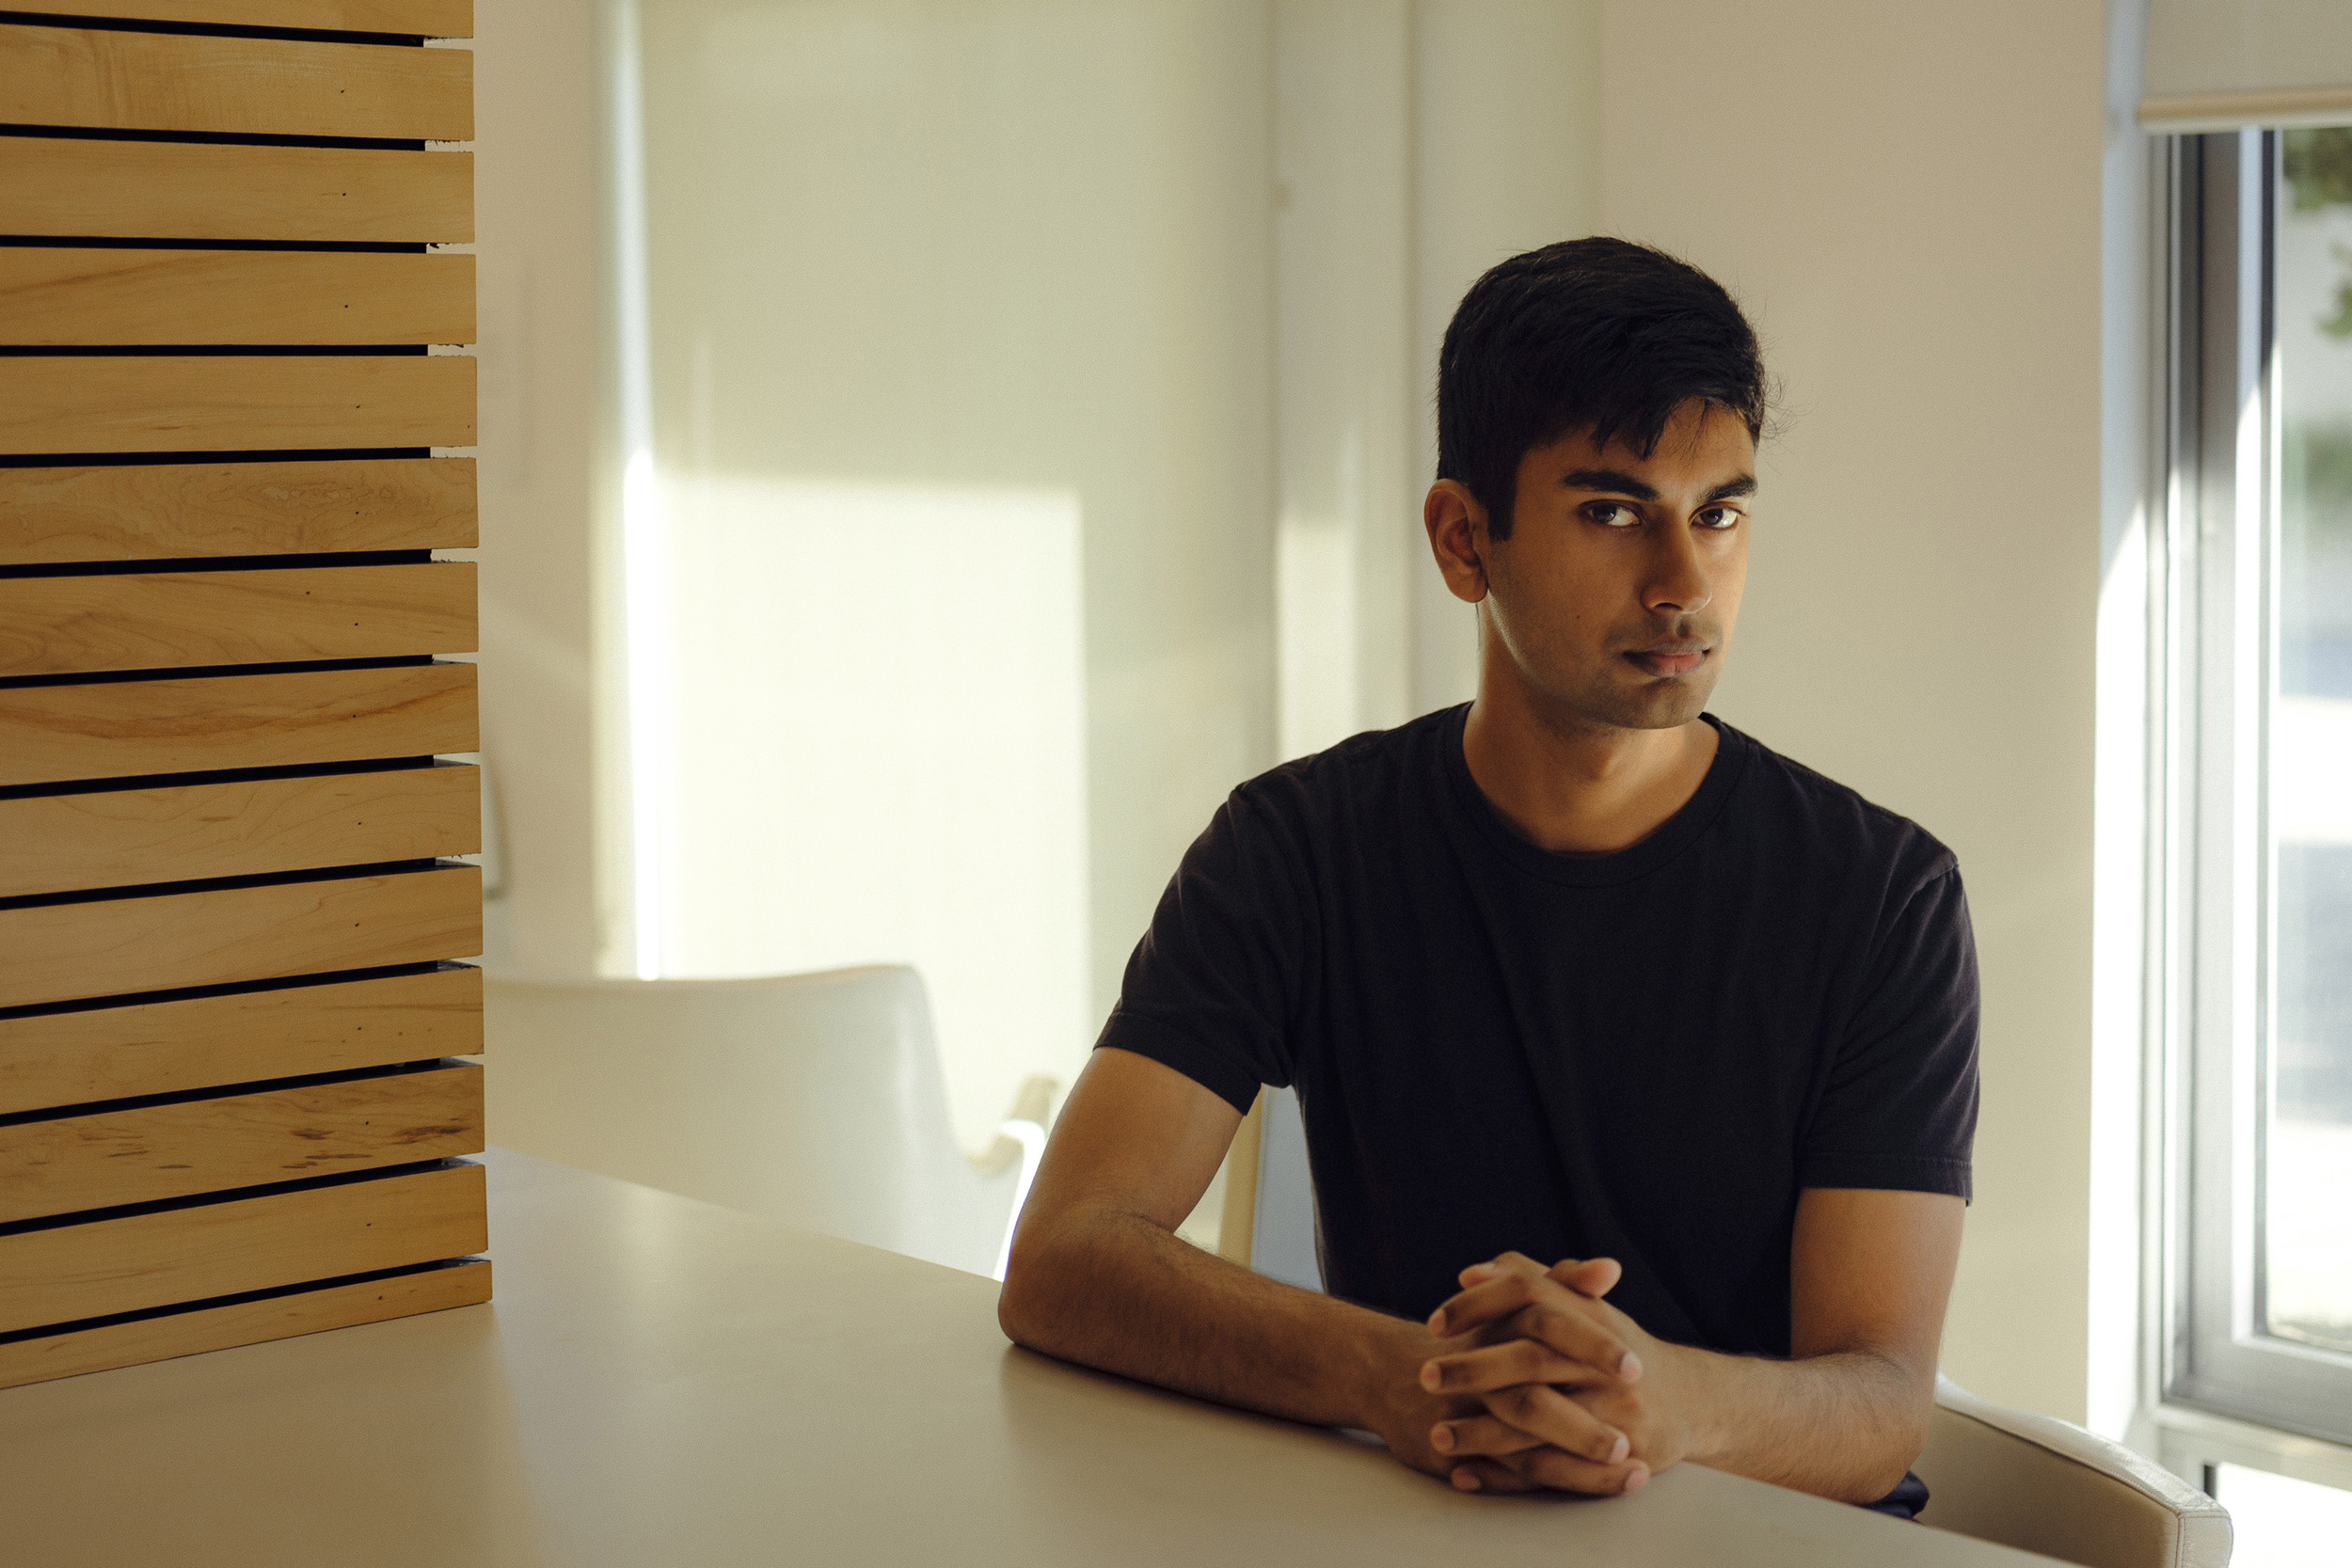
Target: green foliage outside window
x=2319, y=170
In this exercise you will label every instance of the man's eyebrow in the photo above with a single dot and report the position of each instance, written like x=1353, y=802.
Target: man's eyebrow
x=1609, y=479
x=1616, y=481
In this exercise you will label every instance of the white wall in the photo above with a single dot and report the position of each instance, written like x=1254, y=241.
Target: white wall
x=535, y=174
x=1907, y=198
x=1001, y=269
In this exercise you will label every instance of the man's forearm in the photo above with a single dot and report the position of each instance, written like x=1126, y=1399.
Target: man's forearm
x=1845, y=1425
x=1117, y=1292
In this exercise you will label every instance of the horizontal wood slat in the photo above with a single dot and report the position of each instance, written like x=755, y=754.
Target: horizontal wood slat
x=95, y=1350
x=199, y=403
x=110, y=79
x=75, y=1058
x=123, y=729
x=101, y=1161
x=71, y=625
x=223, y=936
x=443, y=18
x=124, y=837
x=167, y=510
x=64, y=1274
x=85, y=296
x=70, y=186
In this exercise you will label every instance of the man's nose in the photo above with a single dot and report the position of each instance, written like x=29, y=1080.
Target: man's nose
x=1678, y=581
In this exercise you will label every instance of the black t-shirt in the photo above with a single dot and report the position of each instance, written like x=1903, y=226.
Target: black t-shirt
x=1643, y=1055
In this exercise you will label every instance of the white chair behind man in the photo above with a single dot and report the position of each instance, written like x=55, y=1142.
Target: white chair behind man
x=1996, y=1474
x=815, y=1100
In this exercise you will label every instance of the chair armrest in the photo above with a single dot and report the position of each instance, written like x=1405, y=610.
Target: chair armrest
x=2049, y=1486
x=1030, y=1107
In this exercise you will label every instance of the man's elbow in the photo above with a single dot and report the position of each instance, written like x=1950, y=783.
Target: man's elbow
x=1024, y=1306
x=1901, y=1436
x=1885, y=1474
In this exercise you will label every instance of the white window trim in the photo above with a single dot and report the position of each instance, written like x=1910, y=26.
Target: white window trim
x=2190, y=1438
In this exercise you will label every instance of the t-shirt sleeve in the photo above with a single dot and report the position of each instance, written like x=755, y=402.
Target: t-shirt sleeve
x=1899, y=1108
x=1212, y=989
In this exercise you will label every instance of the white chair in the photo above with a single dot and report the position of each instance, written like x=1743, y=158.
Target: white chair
x=1993, y=1473
x=811, y=1098
x=2045, y=1485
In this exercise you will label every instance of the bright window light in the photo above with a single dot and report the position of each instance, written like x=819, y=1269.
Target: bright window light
x=2283, y=1523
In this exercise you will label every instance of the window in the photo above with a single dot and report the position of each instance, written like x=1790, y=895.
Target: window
x=2256, y=787
x=2280, y=1522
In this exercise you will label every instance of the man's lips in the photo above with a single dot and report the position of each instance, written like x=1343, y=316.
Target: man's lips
x=1669, y=659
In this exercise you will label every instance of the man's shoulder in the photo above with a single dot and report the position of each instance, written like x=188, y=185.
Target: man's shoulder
x=1824, y=818
x=1360, y=773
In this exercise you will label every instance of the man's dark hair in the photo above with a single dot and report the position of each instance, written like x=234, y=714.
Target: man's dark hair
x=1595, y=335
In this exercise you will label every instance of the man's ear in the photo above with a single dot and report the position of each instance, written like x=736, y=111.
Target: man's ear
x=1457, y=537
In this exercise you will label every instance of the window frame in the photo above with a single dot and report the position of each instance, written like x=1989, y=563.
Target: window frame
x=2225, y=1389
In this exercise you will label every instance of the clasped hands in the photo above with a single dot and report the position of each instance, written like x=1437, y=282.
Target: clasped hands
x=1547, y=1385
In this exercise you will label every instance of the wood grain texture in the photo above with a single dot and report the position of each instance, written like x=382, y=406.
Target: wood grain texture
x=109, y=79
x=162, y=511
x=72, y=625
x=75, y=1058
x=443, y=18
x=198, y=402
x=223, y=936
x=69, y=296
x=65, y=1165
x=64, y=1274
x=123, y=729
x=69, y=186
x=96, y=1350
x=125, y=837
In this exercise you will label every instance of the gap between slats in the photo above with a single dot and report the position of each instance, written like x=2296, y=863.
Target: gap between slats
x=226, y=1091
x=213, y=29
x=231, y=1195
x=241, y=1299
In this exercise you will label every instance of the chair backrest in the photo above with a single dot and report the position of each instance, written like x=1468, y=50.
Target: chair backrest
x=2047, y=1486
x=812, y=1099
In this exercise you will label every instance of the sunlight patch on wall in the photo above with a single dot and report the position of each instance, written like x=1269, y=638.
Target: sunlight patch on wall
x=879, y=711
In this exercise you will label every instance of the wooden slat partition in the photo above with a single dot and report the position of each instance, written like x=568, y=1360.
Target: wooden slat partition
x=107, y=78
x=149, y=1048
x=177, y=511
x=70, y=187
x=126, y=729
x=237, y=828
x=144, y=1153
x=229, y=936
x=223, y=936
x=207, y=403
x=64, y=626
x=134, y=1262
x=58, y=295
x=37, y=1358
x=446, y=18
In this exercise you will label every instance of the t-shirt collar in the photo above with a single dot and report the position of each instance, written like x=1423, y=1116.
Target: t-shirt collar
x=1670, y=838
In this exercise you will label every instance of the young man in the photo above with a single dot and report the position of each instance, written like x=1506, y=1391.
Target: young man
x=1576, y=973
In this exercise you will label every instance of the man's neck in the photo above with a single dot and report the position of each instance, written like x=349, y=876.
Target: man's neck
x=1576, y=788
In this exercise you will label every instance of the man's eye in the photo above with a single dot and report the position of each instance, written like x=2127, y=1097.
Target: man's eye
x=1718, y=517
x=1610, y=514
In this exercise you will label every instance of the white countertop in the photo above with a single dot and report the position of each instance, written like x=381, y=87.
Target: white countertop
x=660, y=1382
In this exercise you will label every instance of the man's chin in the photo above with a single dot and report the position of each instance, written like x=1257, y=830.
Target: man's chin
x=1647, y=710
x=1662, y=703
